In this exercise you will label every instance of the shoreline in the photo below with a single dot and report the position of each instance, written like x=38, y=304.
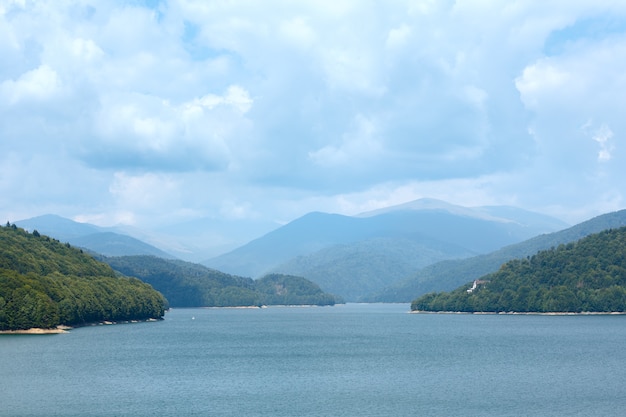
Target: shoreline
x=38, y=330
x=60, y=329
x=264, y=306
x=527, y=313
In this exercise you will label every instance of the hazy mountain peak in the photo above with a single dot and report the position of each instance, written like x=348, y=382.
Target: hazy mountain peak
x=434, y=204
x=102, y=240
x=58, y=227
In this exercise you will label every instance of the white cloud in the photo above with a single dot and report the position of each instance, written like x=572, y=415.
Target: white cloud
x=398, y=37
x=582, y=80
x=145, y=193
x=38, y=85
x=298, y=32
x=543, y=82
x=271, y=109
x=358, y=148
x=136, y=130
x=235, y=97
x=86, y=50
x=603, y=136
x=352, y=71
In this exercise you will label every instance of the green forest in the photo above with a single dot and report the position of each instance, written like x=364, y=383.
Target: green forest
x=279, y=289
x=585, y=276
x=186, y=284
x=45, y=283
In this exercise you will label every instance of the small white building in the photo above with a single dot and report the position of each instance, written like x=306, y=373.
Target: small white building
x=475, y=285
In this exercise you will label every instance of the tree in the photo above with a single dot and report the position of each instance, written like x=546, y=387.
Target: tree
x=44, y=283
x=588, y=275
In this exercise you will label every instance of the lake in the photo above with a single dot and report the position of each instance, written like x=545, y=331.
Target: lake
x=346, y=360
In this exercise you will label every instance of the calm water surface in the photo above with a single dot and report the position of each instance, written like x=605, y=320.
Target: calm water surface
x=349, y=360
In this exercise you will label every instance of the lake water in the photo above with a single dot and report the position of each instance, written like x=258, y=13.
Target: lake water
x=347, y=360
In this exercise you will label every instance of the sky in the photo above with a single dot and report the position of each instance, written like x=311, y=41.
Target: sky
x=152, y=114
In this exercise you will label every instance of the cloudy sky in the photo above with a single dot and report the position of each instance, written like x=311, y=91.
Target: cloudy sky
x=153, y=113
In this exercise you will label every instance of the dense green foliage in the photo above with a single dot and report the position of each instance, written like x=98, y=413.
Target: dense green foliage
x=44, y=283
x=585, y=276
x=450, y=274
x=278, y=289
x=187, y=284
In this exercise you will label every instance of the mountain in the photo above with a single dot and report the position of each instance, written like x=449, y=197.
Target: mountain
x=115, y=244
x=198, y=239
x=448, y=275
x=58, y=227
x=585, y=276
x=97, y=239
x=357, y=269
x=337, y=251
x=187, y=284
x=531, y=220
x=45, y=283
x=306, y=234
x=192, y=240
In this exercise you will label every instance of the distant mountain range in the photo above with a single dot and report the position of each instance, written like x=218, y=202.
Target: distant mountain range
x=390, y=255
x=355, y=256
x=192, y=241
x=359, y=268
x=362, y=257
x=450, y=274
x=94, y=238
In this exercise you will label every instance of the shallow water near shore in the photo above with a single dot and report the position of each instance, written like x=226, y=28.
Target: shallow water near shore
x=347, y=360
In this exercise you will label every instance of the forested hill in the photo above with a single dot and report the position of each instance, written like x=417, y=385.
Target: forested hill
x=585, y=276
x=450, y=274
x=187, y=284
x=45, y=283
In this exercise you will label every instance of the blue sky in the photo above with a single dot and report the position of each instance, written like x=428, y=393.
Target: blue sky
x=149, y=114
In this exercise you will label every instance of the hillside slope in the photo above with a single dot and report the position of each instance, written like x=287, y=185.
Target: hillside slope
x=44, y=283
x=588, y=275
x=187, y=284
x=97, y=239
x=357, y=269
x=446, y=226
x=448, y=275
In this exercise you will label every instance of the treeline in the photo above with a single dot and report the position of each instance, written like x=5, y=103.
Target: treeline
x=45, y=283
x=279, y=289
x=186, y=284
x=450, y=274
x=585, y=276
